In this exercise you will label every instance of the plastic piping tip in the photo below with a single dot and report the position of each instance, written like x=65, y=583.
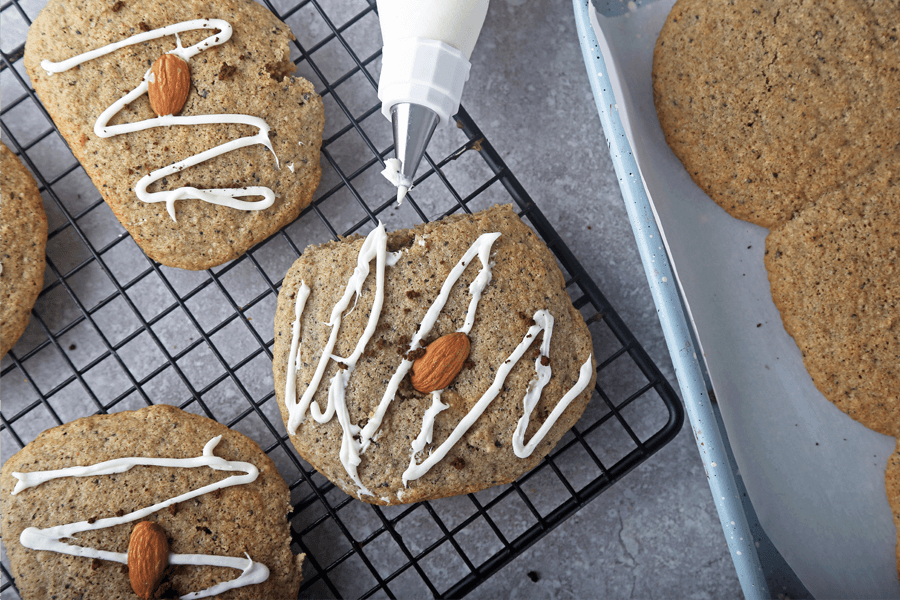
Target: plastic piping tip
x=401, y=193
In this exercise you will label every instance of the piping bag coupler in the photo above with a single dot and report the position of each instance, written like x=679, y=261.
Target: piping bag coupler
x=420, y=88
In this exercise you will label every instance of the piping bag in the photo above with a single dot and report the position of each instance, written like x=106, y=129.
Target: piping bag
x=424, y=66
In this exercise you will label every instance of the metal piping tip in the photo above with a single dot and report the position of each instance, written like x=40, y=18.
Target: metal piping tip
x=413, y=126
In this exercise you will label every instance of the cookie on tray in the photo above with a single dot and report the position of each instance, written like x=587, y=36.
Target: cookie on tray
x=23, y=240
x=432, y=361
x=772, y=104
x=892, y=484
x=802, y=141
x=834, y=270
x=89, y=491
x=186, y=117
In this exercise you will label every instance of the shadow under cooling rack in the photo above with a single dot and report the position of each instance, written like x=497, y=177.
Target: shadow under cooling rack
x=112, y=330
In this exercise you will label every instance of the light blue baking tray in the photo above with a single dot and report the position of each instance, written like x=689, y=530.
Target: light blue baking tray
x=682, y=346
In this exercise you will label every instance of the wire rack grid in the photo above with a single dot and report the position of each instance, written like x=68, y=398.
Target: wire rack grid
x=113, y=330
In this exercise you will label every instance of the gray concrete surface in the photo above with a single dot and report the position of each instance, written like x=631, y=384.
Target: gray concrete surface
x=656, y=533
x=653, y=534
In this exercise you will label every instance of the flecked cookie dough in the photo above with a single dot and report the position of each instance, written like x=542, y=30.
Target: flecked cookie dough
x=792, y=124
x=892, y=483
x=248, y=518
x=772, y=104
x=524, y=279
x=834, y=270
x=250, y=74
x=23, y=239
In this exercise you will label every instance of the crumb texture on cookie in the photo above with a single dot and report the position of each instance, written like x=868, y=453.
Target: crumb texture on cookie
x=892, y=484
x=486, y=276
x=772, y=104
x=78, y=489
x=220, y=157
x=23, y=241
x=834, y=270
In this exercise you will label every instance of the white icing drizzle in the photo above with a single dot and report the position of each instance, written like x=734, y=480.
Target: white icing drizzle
x=482, y=248
x=221, y=196
x=394, y=257
x=48, y=539
x=543, y=321
x=252, y=573
x=425, y=436
x=295, y=417
x=391, y=172
x=374, y=246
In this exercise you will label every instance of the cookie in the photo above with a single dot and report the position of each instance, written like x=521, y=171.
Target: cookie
x=431, y=361
x=793, y=127
x=834, y=270
x=892, y=484
x=23, y=239
x=772, y=104
x=79, y=489
x=236, y=163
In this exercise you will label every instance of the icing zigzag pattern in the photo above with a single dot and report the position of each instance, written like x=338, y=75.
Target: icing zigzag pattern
x=356, y=440
x=49, y=538
x=221, y=196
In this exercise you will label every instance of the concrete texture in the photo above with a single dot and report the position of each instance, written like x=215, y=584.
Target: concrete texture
x=653, y=534
x=656, y=532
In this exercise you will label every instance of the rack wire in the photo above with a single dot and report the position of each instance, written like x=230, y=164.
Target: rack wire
x=113, y=330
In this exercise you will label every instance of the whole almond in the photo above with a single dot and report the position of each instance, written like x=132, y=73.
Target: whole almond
x=170, y=82
x=148, y=555
x=442, y=361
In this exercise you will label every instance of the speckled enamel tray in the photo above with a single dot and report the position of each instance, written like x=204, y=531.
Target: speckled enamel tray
x=815, y=477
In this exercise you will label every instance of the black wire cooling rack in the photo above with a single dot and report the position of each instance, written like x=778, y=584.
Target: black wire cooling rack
x=112, y=330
